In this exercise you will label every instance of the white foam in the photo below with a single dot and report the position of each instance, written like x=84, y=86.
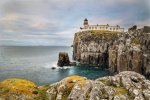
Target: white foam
x=54, y=65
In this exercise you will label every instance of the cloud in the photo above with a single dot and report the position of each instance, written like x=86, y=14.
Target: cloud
x=54, y=22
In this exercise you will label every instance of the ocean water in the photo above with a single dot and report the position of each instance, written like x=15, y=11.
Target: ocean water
x=35, y=62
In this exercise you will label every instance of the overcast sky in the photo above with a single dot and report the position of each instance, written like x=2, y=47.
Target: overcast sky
x=54, y=22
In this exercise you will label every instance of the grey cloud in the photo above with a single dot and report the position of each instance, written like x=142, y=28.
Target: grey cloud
x=49, y=21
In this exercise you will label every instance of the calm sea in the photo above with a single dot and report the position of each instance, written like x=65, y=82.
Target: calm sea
x=35, y=62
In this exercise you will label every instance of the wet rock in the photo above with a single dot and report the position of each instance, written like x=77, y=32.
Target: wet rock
x=53, y=68
x=63, y=59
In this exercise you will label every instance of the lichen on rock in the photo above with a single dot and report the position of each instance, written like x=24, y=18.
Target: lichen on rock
x=126, y=85
x=14, y=88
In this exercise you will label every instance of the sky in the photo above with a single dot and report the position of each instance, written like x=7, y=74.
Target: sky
x=54, y=22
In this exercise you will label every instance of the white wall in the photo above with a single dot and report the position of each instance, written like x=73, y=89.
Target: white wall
x=104, y=27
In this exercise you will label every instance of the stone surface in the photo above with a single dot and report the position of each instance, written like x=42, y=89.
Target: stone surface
x=63, y=59
x=91, y=47
x=126, y=85
x=133, y=28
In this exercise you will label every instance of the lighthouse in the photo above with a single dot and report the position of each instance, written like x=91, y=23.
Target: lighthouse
x=85, y=24
x=107, y=27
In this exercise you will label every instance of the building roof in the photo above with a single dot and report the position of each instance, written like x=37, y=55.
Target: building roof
x=85, y=19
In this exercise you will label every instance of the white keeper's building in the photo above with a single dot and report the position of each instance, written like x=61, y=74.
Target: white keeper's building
x=86, y=27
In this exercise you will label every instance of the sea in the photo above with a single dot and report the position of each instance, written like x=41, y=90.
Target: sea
x=35, y=63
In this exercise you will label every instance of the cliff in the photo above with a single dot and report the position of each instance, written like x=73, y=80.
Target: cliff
x=126, y=51
x=91, y=47
x=131, y=53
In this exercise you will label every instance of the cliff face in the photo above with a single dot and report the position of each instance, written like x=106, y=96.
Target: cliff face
x=128, y=51
x=132, y=53
x=123, y=86
x=91, y=47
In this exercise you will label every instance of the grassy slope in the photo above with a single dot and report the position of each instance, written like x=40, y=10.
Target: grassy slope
x=21, y=86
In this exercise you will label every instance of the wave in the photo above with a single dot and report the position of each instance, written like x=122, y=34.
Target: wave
x=54, y=65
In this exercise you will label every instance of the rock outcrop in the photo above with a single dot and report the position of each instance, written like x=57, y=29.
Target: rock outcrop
x=126, y=85
x=63, y=59
x=128, y=51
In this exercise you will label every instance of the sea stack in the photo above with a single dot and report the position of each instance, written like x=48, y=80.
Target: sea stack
x=63, y=59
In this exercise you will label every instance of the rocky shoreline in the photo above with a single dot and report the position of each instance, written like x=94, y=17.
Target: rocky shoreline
x=126, y=85
x=123, y=86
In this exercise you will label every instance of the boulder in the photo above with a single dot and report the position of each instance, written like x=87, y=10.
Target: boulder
x=126, y=85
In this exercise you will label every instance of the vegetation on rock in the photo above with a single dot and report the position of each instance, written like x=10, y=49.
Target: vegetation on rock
x=14, y=88
x=135, y=41
x=18, y=87
x=123, y=86
x=70, y=81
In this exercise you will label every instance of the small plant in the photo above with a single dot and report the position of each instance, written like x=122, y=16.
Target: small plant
x=135, y=41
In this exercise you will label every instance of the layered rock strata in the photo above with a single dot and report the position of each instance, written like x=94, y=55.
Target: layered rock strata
x=91, y=47
x=128, y=51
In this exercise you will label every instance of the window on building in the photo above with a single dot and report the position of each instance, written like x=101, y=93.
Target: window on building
x=114, y=29
x=89, y=27
x=110, y=28
x=95, y=27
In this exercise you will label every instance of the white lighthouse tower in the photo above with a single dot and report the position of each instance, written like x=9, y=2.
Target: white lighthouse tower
x=85, y=24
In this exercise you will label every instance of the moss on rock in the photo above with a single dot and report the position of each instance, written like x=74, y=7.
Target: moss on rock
x=136, y=41
x=18, y=87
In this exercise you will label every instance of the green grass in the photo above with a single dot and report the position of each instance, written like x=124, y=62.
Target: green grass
x=135, y=41
x=120, y=90
x=42, y=93
x=104, y=82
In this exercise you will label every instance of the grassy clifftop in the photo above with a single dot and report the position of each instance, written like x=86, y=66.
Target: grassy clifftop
x=96, y=35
